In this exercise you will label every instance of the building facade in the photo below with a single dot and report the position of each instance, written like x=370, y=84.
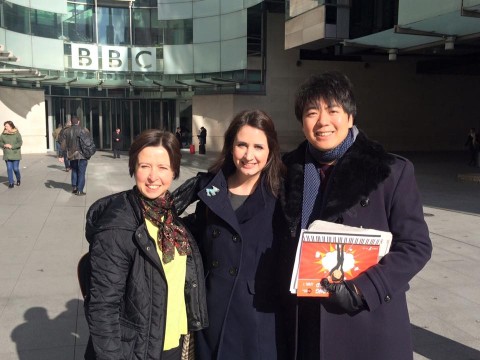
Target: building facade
x=191, y=63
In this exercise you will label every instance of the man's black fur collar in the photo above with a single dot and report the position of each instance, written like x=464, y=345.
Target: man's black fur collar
x=359, y=172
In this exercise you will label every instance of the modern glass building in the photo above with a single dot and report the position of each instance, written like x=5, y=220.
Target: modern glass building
x=131, y=64
x=139, y=64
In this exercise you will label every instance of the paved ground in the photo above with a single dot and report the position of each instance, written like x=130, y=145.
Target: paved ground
x=42, y=238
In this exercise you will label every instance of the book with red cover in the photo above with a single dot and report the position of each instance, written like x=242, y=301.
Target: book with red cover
x=336, y=252
x=320, y=260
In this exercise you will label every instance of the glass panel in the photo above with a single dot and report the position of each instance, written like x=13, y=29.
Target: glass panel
x=113, y=26
x=137, y=126
x=175, y=11
x=78, y=24
x=234, y=54
x=94, y=115
x=206, y=57
x=106, y=125
x=138, y=3
x=178, y=59
x=234, y=25
x=45, y=24
x=125, y=123
x=168, y=115
x=144, y=121
x=146, y=30
x=229, y=6
x=177, y=32
x=206, y=29
x=155, y=114
x=206, y=8
x=17, y=18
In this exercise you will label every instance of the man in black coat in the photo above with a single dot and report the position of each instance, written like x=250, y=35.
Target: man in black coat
x=117, y=143
x=202, y=140
x=339, y=175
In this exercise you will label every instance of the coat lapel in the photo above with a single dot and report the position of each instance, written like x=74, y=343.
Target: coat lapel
x=359, y=172
x=215, y=197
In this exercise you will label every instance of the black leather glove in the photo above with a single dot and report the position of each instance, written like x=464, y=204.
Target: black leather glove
x=343, y=295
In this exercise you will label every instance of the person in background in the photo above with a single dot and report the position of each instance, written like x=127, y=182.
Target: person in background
x=473, y=145
x=146, y=284
x=178, y=135
x=233, y=225
x=202, y=140
x=11, y=143
x=117, y=143
x=339, y=175
x=62, y=155
x=78, y=163
x=55, y=135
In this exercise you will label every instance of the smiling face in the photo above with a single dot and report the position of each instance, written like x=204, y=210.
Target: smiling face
x=325, y=127
x=7, y=127
x=153, y=172
x=250, y=152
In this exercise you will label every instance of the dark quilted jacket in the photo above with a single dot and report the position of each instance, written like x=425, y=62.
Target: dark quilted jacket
x=126, y=305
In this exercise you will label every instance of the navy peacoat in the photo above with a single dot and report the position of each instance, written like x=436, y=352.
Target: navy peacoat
x=372, y=189
x=239, y=261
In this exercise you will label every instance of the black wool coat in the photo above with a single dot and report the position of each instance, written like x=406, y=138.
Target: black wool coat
x=372, y=189
x=240, y=269
x=126, y=306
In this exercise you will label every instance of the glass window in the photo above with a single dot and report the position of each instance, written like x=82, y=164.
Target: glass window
x=45, y=24
x=177, y=32
x=113, y=26
x=139, y=3
x=146, y=30
x=78, y=24
x=17, y=18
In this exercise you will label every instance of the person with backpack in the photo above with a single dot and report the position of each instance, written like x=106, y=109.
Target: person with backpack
x=72, y=139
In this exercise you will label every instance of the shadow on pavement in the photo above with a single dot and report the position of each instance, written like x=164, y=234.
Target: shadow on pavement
x=41, y=337
x=51, y=184
x=438, y=347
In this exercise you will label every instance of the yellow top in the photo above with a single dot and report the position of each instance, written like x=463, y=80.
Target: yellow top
x=175, y=271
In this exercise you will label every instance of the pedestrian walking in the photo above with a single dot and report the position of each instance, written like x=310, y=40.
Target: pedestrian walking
x=11, y=143
x=117, y=143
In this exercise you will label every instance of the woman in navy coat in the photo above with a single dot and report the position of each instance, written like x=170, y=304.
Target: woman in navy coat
x=233, y=226
x=339, y=175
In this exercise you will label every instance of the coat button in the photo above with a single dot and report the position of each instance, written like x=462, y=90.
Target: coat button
x=215, y=263
x=364, y=202
x=215, y=233
x=233, y=271
x=235, y=238
x=148, y=248
x=194, y=284
x=388, y=298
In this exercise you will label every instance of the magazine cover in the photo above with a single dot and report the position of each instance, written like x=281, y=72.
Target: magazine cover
x=337, y=252
x=335, y=261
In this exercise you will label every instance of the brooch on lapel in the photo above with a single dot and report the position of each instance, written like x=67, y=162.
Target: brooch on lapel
x=213, y=191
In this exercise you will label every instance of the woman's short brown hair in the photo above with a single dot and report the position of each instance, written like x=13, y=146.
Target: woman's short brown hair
x=155, y=137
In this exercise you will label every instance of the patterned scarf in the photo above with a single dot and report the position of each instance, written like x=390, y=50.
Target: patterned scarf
x=325, y=157
x=170, y=235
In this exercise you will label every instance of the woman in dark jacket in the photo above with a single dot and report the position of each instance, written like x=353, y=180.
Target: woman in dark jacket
x=146, y=285
x=350, y=180
x=233, y=226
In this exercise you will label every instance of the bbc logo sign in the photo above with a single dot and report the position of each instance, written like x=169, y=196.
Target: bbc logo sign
x=114, y=58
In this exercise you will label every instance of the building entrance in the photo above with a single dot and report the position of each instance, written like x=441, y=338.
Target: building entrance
x=103, y=116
